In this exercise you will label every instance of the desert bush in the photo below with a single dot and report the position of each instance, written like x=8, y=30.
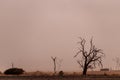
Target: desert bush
x=61, y=73
x=14, y=71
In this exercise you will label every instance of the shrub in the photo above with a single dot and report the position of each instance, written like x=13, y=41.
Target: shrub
x=14, y=71
x=61, y=73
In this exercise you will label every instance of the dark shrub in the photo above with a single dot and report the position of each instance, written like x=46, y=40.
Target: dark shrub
x=61, y=73
x=14, y=71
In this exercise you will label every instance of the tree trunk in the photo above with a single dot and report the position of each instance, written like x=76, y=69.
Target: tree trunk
x=54, y=68
x=84, y=70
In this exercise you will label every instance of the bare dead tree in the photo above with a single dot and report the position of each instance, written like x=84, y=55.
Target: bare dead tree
x=89, y=58
x=54, y=61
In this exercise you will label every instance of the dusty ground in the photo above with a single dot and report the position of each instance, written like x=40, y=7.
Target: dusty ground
x=98, y=75
x=58, y=78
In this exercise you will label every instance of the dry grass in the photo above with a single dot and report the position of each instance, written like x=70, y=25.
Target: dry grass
x=92, y=75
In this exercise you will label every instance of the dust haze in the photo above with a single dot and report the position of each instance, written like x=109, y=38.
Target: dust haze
x=31, y=31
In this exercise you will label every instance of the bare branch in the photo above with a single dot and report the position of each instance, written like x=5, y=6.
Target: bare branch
x=77, y=53
x=80, y=63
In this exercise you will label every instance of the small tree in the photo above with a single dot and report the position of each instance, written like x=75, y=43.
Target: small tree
x=12, y=64
x=90, y=58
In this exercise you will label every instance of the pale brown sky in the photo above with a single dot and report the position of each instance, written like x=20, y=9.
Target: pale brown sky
x=31, y=31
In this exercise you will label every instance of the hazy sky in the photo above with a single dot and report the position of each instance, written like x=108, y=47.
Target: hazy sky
x=31, y=31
